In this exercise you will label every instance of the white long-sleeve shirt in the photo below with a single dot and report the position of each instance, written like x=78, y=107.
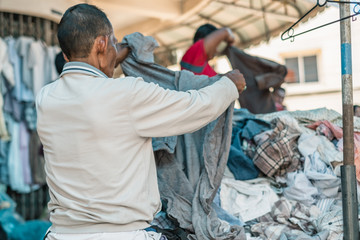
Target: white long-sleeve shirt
x=96, y=133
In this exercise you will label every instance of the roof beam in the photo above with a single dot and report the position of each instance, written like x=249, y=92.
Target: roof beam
x=50, y=9
x=146, y=27
x=162, y=9
x=155, y=24
x=260, y=12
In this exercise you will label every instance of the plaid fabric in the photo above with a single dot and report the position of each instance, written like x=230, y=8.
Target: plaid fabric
x=162, y=221
x=285, y=218
x=332, y=221
x=278, y=154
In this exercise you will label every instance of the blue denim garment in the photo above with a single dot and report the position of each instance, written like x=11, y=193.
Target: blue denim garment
x=20, y=92
x=15, y=167
x=245, y=127
x=4, y=172
x=222, y=213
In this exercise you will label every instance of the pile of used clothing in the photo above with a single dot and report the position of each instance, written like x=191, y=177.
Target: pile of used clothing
x=290, y=186
x=245, y=176
x=282, y=179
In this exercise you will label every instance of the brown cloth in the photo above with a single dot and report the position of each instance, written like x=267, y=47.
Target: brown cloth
x=260, y=75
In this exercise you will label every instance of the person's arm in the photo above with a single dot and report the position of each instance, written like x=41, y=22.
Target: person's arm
x=157, y=112
x=212, y=41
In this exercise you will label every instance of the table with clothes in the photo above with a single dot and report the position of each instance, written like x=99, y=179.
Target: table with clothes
x=246, y=176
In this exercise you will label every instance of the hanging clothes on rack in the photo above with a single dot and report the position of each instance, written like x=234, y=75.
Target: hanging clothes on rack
x=30, y=64
x=7, y=71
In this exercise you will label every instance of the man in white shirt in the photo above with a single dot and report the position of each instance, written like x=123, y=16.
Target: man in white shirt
x=96, y=132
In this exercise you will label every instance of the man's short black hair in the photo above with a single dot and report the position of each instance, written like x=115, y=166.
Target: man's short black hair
x=203, y=31
x=79, y=27
x=59, y=62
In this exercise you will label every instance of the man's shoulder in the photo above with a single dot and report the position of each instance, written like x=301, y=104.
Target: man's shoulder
x=44, y=91
x=128, y=80
x=48, y=86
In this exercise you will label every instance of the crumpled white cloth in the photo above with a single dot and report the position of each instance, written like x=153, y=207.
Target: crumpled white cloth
x=5, y=66
x=294, y=234
x=299, y=188
x=319, y=152
x=332, y=221
x=133, y=235
x=308, y=143
x=247, y=200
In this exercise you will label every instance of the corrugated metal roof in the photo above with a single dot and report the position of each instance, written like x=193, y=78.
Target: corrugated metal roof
x=174, y=22
x=252, y=21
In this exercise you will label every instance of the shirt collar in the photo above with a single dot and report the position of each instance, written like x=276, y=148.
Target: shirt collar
x=81, y=67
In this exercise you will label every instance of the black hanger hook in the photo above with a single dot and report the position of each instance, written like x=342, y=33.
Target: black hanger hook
x=290, y=30
x=321, y=5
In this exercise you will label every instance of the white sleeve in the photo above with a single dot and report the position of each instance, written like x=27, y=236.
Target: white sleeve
x=157, y=112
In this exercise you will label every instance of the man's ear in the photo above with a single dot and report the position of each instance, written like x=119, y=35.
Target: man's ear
x=101, y=43
x=65, y=57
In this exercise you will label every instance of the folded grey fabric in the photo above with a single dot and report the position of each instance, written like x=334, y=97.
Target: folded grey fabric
x=190, y=167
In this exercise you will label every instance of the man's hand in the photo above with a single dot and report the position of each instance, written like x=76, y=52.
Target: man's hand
x=122, y=53
x=238, y=79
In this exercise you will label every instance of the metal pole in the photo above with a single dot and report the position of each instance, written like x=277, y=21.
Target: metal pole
x=348, y=175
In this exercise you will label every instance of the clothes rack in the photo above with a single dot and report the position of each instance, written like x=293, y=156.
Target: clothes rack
x=33, y=204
